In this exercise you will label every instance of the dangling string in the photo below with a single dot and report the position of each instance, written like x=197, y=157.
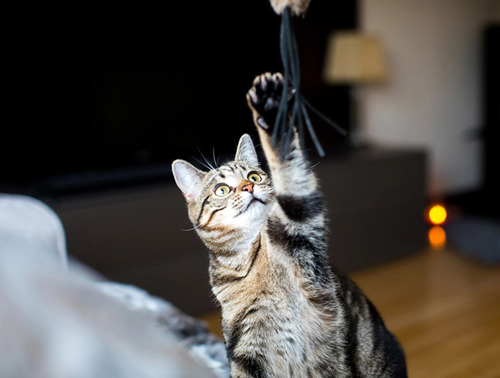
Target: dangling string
x=299, y=114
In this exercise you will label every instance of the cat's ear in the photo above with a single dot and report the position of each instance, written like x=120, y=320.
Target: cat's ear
x=246, y=151
x=188, y=178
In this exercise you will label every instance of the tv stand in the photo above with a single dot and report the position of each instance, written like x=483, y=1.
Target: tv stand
x=142, y=235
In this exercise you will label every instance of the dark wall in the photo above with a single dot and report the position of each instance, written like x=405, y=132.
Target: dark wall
x=99, y=89
x=484, y=201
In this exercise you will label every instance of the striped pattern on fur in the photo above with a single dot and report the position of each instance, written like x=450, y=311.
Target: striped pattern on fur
x=285, y=311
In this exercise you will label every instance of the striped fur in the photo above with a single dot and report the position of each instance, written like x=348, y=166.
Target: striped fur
x=285, y=311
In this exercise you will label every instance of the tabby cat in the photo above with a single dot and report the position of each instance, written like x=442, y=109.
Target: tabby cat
x=285, y=311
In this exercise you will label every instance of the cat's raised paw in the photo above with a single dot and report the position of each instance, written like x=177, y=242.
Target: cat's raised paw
x=264, y=98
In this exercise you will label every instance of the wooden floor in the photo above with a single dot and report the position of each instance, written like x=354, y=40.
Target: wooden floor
x=444, y=309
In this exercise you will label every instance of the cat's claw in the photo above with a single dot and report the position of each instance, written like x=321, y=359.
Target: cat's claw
x=264, y=98
x=262, y=123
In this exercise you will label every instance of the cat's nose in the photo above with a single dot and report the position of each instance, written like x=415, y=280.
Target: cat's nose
x=247, y=188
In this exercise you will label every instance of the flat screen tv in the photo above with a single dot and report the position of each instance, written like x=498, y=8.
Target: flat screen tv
x=107, y=97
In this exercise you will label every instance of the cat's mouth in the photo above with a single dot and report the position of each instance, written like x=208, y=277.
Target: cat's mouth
x=251, y=203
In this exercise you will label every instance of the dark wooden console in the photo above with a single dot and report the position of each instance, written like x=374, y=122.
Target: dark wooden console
x=376, y=199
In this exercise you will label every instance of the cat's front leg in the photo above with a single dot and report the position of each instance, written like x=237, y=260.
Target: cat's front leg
x=292, y=176
x=296, y=227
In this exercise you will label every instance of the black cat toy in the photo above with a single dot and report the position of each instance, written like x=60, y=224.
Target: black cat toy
x=291, y=71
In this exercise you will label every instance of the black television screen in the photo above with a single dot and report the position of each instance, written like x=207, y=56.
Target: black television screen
x=108, y=96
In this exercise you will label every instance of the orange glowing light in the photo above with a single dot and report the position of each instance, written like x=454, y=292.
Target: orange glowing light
x=437, y=214
x=437, y=237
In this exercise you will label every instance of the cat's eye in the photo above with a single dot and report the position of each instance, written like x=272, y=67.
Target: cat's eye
x=254, y=177
x=222, y=190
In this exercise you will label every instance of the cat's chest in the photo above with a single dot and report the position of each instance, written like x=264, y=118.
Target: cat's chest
x=284, y=331
x=275, y=318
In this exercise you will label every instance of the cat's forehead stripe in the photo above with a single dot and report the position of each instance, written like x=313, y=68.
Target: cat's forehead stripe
x=227, y=168
x=231, y=168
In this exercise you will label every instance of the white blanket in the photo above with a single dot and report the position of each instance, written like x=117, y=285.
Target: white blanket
x=64, y=320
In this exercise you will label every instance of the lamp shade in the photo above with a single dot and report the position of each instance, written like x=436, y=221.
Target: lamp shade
x=354, y=58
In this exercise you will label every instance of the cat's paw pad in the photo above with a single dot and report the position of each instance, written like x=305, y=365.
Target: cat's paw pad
x=264, y=98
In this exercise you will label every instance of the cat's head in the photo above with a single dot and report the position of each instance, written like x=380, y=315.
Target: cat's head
x=233, y=198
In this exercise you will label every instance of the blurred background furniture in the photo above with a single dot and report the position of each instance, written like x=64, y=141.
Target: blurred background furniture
x=376, y=199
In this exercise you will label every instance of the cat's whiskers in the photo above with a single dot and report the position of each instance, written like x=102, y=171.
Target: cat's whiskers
x=215, y=159
x=206, y=163
x=190, y=229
